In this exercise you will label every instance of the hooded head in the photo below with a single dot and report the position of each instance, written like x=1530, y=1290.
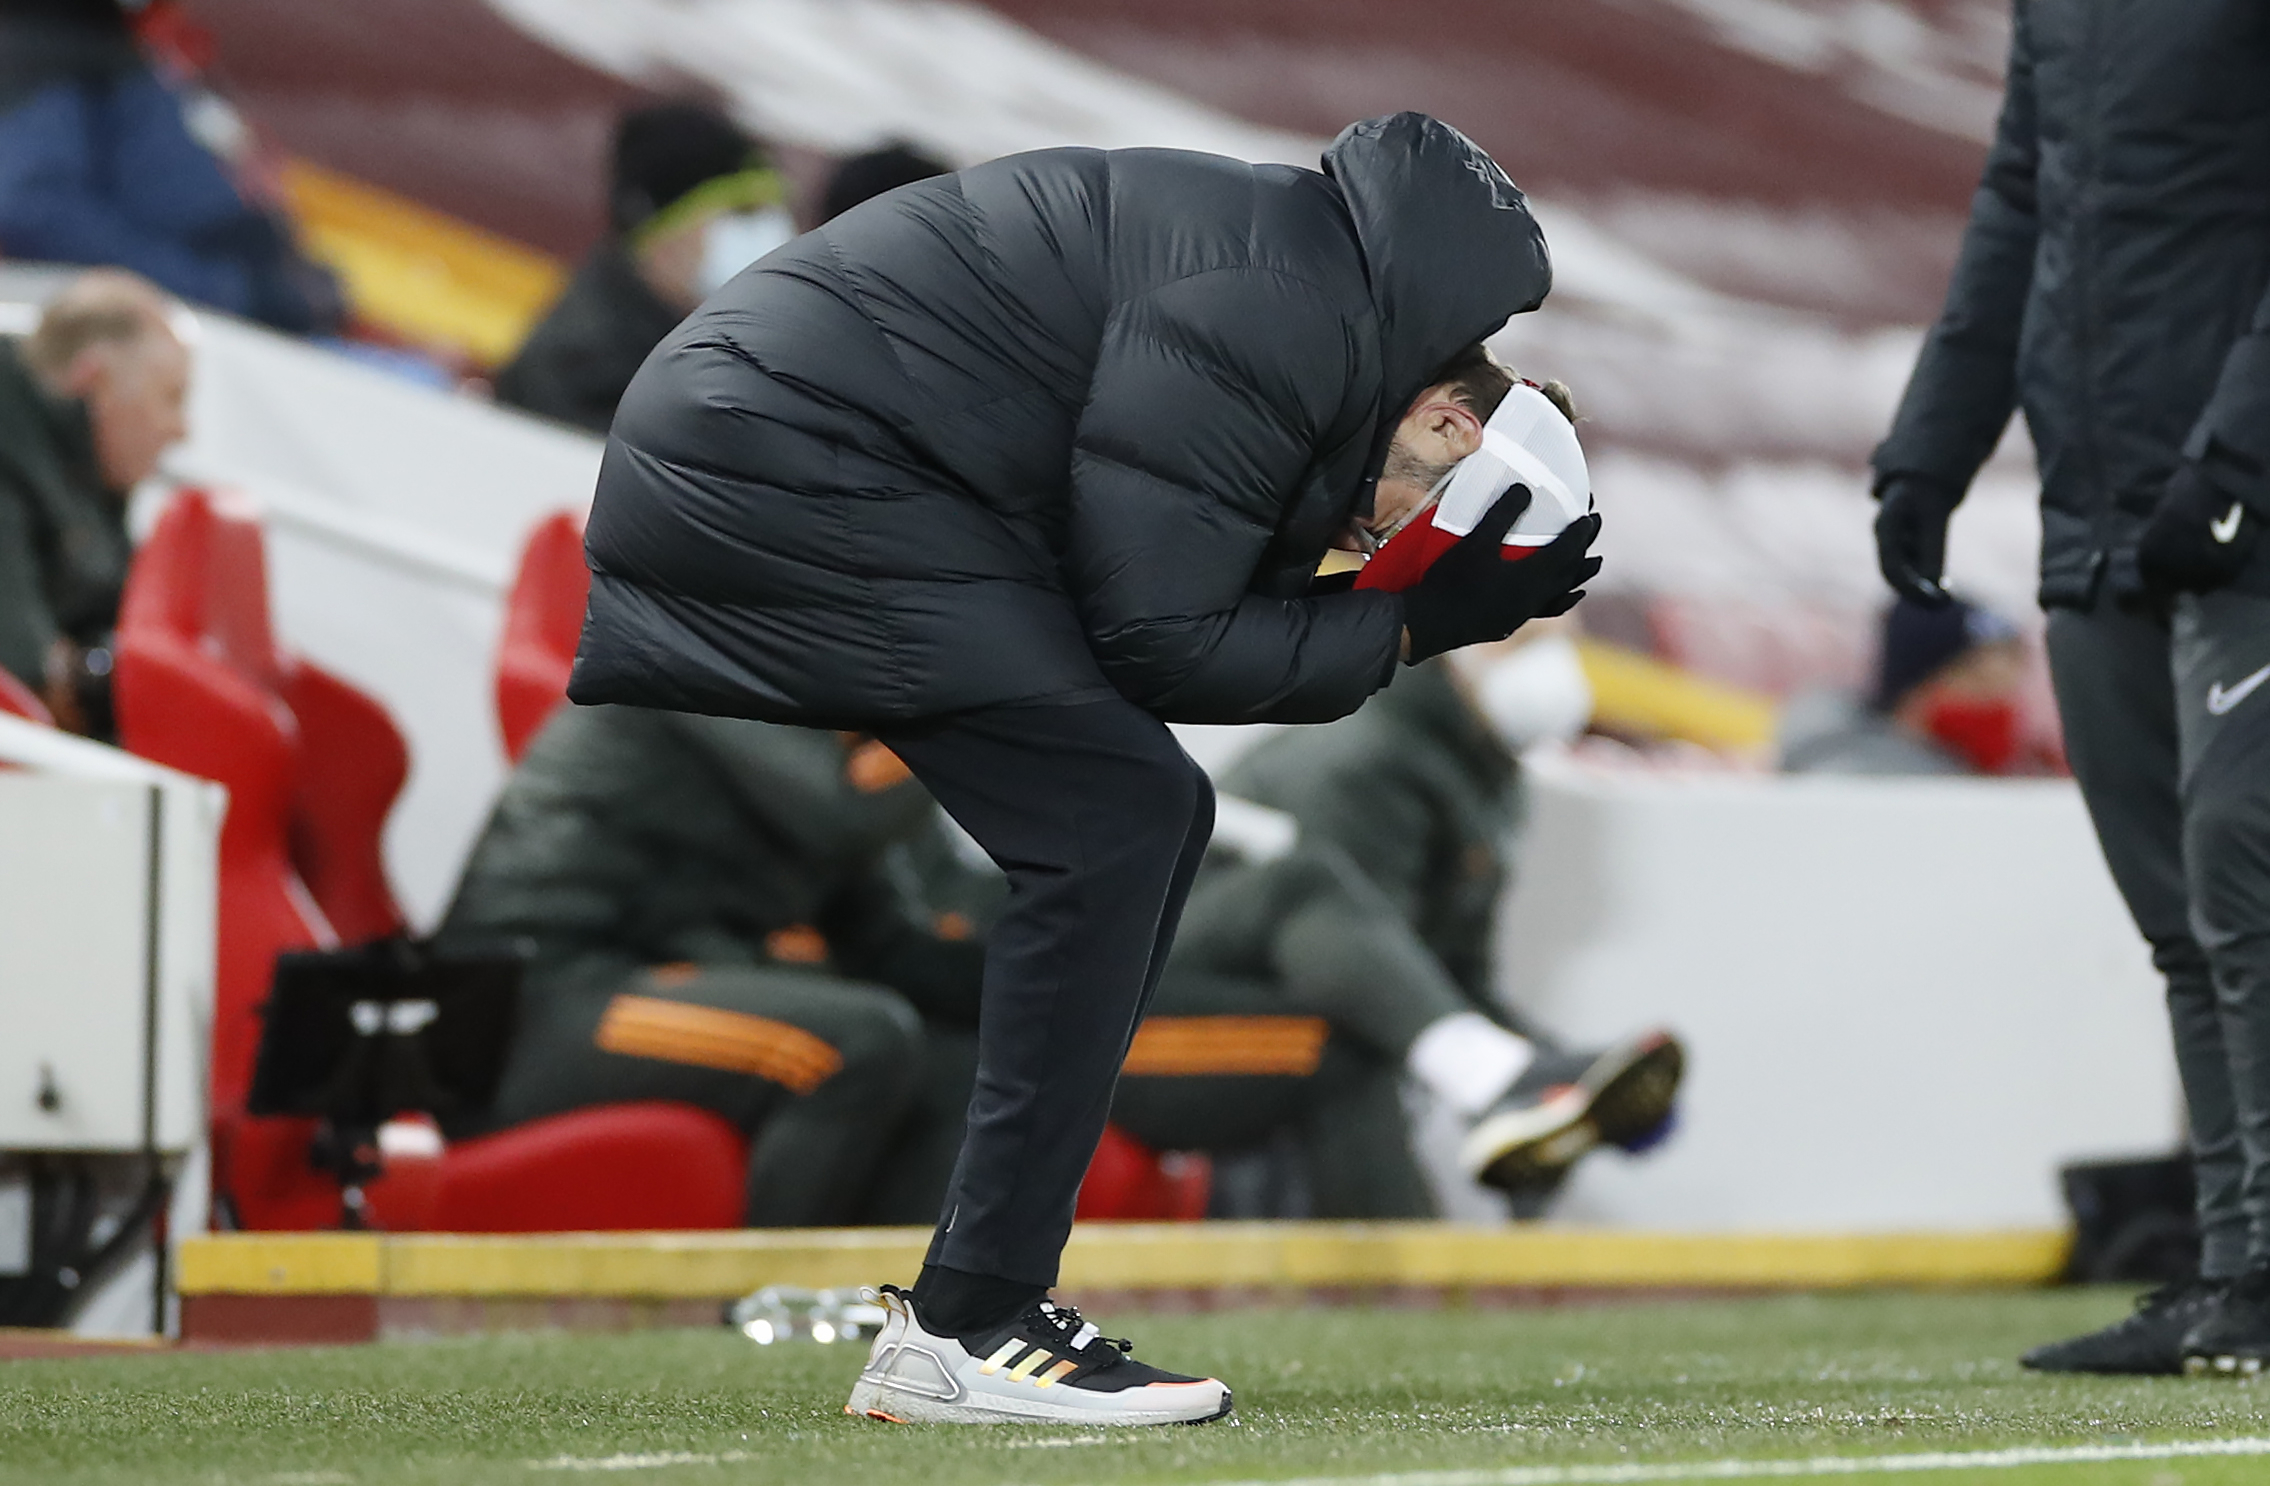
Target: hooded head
x=1449, y=247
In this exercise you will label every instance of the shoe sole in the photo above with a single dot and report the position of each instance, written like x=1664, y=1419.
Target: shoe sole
x=2223, y=1365
x=1615, y=1102
x=894, y=1406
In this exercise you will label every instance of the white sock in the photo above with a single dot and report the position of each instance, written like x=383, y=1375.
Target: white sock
x=1468, y=1060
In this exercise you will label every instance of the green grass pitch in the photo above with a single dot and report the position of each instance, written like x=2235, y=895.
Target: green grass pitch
x=1514, y=1397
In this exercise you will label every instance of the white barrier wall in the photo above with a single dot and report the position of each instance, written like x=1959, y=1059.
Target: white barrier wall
x=108, y=868
x=1906, y=1001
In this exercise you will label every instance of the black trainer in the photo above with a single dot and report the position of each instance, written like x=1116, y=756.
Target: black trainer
x=2149, y=1342
x=1565, y=1103
x=1047, y=1367
x=2233, y=1339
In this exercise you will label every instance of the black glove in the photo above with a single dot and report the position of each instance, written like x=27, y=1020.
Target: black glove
x=1911, y=536
x=1472, y=595
x=2198, y=538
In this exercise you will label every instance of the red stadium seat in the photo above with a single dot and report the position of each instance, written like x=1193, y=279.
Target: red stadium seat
x=612, y=1166
x=350, y=766
x=17, y=700
x=543, y=619
x=196, y=686
x=1127, y=1182
x=312, y=767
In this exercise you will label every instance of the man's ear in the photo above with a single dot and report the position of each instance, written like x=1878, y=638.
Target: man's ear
x=1455, y=424
x=87, y=370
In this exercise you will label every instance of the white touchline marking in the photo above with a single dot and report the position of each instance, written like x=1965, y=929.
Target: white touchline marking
x=651, y=1461
x=1605, y=1475
x=1820, y=1465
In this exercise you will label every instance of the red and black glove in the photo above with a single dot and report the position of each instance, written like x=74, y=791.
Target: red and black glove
x=1473, y=594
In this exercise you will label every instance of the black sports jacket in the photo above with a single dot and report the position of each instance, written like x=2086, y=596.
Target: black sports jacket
x=2112, y=281
x=1067, y=422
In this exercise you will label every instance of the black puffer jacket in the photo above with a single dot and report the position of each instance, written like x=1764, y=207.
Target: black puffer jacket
x=1060, y=423
x=2112, y=281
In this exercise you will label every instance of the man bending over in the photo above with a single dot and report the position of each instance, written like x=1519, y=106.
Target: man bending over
x=1010, y=468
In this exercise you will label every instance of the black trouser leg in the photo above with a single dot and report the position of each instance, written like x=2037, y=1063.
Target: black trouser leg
x=2116, y=697
x=818, y=1070
x=2222, y=640
x=911, y=1179
x=1099, y=818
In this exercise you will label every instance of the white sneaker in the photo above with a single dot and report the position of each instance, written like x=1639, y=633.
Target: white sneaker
x=1046, y=1367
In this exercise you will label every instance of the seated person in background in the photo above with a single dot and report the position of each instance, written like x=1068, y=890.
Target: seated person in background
x=864, y=177
x=100, y=164
x=715, y=922
x=88, y=402
x=1374, y=909
x=692, y=202
x=1945, y=702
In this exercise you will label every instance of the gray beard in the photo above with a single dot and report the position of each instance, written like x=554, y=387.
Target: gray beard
x=1402, y=464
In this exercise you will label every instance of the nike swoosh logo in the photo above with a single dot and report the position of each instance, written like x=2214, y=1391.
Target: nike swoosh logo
x=2220, y=701
x=2225, y=530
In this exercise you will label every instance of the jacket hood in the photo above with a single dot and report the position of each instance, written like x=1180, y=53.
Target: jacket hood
x=1449, y=245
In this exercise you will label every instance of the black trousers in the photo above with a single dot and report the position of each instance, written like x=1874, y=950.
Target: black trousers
x=2171, y=745
x=1099, y=819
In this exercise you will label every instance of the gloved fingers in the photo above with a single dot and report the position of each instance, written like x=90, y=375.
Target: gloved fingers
x=1500, y=517
x=1911, y=547
x=1562, y=605
x=1576, y=536
x=1914, y=587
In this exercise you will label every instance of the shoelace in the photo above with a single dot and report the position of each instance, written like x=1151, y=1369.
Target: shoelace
x=1065, y=1318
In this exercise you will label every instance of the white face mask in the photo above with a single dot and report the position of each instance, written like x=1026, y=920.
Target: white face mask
x=1537, y=694
x=732, y=242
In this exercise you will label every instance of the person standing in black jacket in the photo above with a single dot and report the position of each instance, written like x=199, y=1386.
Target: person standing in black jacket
x=1010, y=468
x=2113, y=284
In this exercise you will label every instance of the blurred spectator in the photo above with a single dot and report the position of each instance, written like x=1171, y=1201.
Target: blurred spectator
x=863, y=177
x=1375, y=909
x=99, y=165
x=88, y=402
x=716, y=924
x=1946, y=701
x=692, y=203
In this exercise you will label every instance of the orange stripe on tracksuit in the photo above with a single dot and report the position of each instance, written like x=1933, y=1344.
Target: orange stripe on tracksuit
x=1198, y=1046
x=680, y=1032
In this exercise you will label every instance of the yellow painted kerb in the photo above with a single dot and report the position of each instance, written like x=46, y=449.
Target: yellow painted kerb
x=281, y=1264
x=1116, y=1256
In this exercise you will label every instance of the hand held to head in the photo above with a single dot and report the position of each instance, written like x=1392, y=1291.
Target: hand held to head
x=1473, y=594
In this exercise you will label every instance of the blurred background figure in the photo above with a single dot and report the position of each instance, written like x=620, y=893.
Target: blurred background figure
x=1374, y=907
x=863, y=177
x=693, y=201
x=1946, y=701
x=88, y=402
x=102, y=161
x=714, y=923
x=2115, y=293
